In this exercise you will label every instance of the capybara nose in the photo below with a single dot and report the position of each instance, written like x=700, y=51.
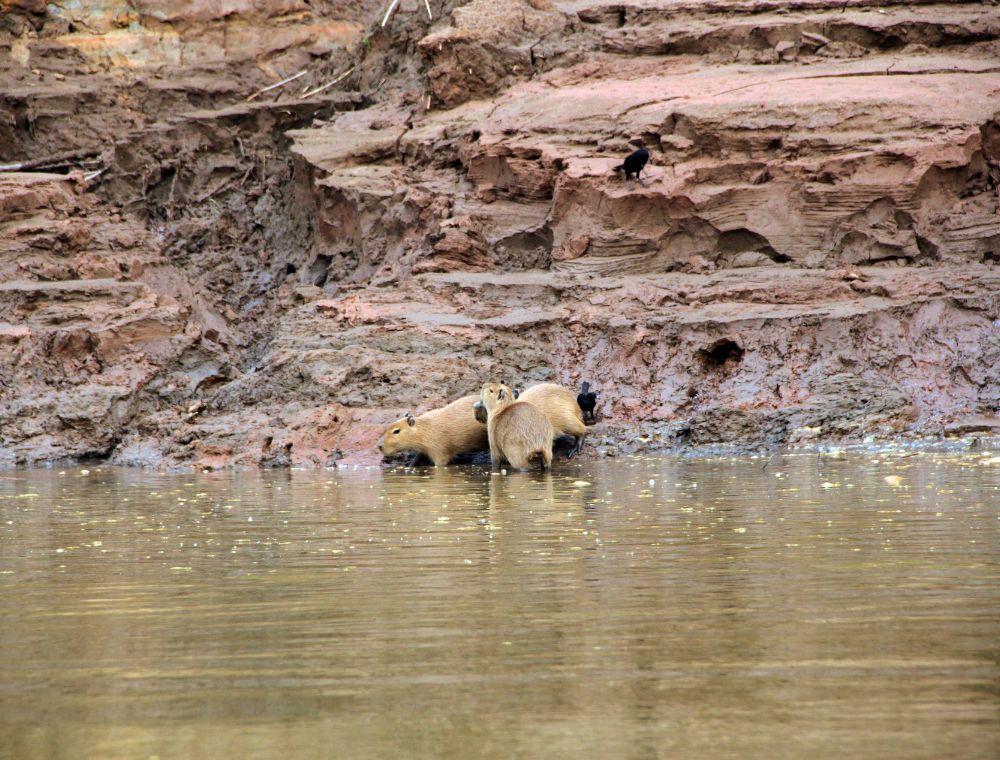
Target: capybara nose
x=381, y=445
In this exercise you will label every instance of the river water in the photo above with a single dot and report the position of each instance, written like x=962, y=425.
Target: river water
x=811, y=605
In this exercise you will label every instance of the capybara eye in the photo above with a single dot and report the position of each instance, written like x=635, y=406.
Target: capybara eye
x=396, y=431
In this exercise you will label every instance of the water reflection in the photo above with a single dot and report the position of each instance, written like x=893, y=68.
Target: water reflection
x=818, y=605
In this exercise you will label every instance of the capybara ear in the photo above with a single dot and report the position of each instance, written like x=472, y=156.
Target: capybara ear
x=516, y=393
x=500, y=394
x=410, y=420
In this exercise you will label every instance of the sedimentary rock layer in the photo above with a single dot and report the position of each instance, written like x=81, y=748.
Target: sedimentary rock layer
x=196, y=270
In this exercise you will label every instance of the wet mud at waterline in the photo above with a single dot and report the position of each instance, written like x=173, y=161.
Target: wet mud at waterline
x=810, y=605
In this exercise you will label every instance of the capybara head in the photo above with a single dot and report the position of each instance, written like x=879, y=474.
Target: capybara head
x=496, y=396
x=480, y=412
x=401, y=435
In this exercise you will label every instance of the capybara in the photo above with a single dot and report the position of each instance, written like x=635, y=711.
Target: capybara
x=560, y=406
x=518, y=431
x=441, y=434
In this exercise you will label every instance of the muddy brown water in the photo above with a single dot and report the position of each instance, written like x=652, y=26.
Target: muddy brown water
x=820, y=607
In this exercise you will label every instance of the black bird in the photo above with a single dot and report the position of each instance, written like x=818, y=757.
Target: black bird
x=633, y=165
x=587, y=400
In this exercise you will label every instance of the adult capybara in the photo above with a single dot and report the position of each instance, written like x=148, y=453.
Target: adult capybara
x=441, y=434
x=560, y=406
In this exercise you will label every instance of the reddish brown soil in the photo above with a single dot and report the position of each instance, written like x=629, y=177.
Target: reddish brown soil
x=191, y=276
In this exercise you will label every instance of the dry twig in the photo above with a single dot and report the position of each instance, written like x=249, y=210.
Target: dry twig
x=61, y=159
x=328, y=85
x=392, y=7
x=285, y=81
x=212, y=193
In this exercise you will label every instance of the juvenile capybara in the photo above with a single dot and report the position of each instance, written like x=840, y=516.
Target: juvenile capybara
x=441, y=434
x=518, y=431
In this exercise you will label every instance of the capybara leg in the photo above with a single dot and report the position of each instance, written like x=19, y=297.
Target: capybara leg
x=546, y=457
x=517, y=460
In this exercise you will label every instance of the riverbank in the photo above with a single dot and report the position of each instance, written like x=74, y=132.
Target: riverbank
x=197, y=271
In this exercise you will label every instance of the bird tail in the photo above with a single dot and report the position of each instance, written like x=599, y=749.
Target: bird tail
x=619, y=168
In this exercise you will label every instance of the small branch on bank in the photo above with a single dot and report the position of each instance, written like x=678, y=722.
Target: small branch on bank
x=212, y=193
x=170, y=207
x=328, y=85
x=392, y=7
x=52, y=162
x=285, y=81
x=427, y=5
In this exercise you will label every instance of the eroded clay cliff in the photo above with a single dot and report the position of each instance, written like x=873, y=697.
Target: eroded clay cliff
x=198, y=270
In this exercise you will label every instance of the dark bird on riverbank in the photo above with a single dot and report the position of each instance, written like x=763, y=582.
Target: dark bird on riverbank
x=633, y=165
x=587, y=400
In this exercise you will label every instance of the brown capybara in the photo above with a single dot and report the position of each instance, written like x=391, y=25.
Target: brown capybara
x=518, y=431
x=559, y=405
x=562, y=409
x=441, y=434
